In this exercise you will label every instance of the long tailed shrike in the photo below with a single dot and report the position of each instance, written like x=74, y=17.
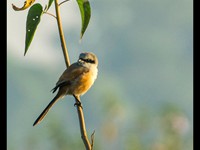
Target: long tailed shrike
x=75, y=80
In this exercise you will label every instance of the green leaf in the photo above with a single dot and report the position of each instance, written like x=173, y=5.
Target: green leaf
x=85, y=11
x=33, y=19
x=49, y=5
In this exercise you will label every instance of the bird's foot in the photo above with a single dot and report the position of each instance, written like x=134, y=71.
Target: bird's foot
x=78, y=103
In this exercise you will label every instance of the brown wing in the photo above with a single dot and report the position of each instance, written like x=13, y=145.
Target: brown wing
x=60, y=84
x=71, y=73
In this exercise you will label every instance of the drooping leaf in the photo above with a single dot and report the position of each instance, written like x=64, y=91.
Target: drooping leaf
x=32, y=22
x=85, y=11
x=27, y=4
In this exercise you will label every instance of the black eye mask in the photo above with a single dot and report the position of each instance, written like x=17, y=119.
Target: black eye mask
x=88, y=60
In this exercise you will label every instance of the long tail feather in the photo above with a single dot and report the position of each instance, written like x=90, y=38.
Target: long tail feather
x=45, y=111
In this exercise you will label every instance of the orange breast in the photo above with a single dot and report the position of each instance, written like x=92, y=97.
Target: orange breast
x=81, y=84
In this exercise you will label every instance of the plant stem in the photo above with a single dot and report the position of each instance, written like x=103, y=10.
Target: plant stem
x=62, y=38
x=82, y=125
x=67, y=61
x=50, y=14
x=63, y=2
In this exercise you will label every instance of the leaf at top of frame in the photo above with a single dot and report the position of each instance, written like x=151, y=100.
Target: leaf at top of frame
x=33, y=19
x=27, y=4
x=85, y=11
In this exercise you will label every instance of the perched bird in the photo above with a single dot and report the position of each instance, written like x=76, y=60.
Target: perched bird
x=76, y=80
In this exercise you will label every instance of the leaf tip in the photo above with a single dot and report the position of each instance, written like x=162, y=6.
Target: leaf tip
x=25, y=52
x=80, y=40
x=81, y=36
x=14, y=7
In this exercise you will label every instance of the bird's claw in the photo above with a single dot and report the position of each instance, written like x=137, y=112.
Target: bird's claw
x=78, y=103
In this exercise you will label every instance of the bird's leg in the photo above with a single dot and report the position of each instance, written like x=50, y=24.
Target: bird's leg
x=78, y=102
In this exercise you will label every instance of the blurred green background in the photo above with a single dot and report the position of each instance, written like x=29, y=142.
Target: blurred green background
x=143, y=96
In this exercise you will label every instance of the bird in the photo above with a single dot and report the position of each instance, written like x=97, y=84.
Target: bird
x=76, y=80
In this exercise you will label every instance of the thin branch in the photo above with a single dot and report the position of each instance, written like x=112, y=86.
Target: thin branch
x=45, y=12
x=63, y=2
x=62, y=38
x=67, y=61
x=83, y=131
x=92, y=139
